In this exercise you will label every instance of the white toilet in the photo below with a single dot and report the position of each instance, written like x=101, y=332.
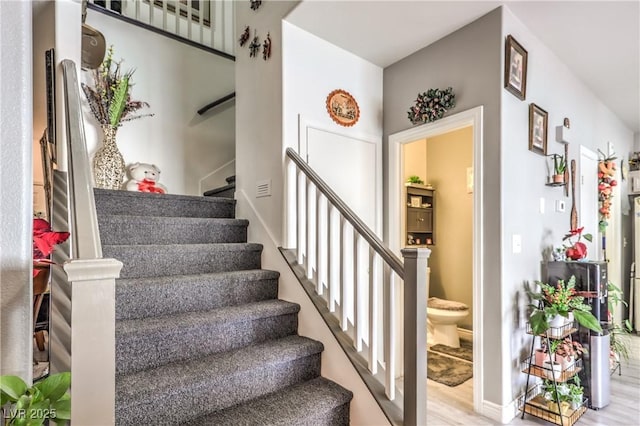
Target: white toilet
x=443, y=317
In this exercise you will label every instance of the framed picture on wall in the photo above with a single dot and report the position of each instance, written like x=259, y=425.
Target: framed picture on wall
x=515, y=68
x=538, y=119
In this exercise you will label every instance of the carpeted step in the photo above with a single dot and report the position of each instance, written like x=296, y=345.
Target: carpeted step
x=162, y=296
x=180, y=392
x=149, y=204
x=152, y=342
x=126, y=229
x=317, y=402
x=183, y=259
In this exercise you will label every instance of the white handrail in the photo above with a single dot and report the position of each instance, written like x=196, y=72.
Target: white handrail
x=82, y=206
x=82, y=320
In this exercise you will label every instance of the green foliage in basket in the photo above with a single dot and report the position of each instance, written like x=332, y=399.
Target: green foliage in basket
x=559, y=300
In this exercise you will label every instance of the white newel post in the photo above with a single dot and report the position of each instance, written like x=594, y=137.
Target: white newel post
x=415, y=335
x=92, y=341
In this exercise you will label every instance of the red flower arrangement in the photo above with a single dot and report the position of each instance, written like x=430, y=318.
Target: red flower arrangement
x=43, y=241
x=576, y=250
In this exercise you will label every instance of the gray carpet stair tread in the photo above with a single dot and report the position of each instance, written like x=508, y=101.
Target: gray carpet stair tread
x=141, y=203
x=158, y=296
x=134, y=229
x=180, y=323
x=183, y=391
x=154, y=260
x=291, y=406
x=151, y=342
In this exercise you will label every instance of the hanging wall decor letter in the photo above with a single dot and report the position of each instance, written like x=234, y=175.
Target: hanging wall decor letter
x=245, y=36
x=343, y=108
x=266, y=47
x=254, y=46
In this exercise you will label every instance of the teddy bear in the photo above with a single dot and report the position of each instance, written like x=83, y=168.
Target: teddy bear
x=144, y=178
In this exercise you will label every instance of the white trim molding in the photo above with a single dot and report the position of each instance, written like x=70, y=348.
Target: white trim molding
x=472, y=117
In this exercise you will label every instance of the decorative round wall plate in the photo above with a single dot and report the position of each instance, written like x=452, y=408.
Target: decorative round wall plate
x=343, y=108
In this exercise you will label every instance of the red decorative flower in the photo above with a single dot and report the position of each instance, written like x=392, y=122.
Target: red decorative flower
x=576, y=250
x=43, y=241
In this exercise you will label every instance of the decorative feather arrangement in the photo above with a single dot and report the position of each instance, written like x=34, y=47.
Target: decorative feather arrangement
x=110, y=98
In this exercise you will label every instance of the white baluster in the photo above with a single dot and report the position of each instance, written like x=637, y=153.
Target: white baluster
x=343, y=278
x=331, y=264
x=301, y=218
x=358, y=309
x=389, y=333
x=311, y=220
x=373, y=313
x=319, y=254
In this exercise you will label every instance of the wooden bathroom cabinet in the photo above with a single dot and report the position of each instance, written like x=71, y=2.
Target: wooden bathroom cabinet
x=420, y=205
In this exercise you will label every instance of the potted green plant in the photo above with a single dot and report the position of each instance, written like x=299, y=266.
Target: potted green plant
x=618, y=340
x=26, y=406
x=555, y=305
x=576, y=393
x=559, y=167
x=415, y=179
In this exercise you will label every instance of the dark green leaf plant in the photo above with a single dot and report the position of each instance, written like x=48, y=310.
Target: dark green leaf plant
x=559, y=300
x=31, y=406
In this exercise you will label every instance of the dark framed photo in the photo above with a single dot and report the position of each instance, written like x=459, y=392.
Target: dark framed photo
x=538, y=120
x=515, y=68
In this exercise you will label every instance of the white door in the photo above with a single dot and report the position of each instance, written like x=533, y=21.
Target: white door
x=348, y=165
x=588, y=204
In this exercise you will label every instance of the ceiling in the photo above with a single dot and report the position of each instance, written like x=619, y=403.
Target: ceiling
x=598, y=40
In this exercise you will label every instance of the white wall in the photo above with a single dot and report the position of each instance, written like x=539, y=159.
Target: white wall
x=176, y=80
x=259, y=156
x=16, y=111
x=553, y=87
x=313, y=68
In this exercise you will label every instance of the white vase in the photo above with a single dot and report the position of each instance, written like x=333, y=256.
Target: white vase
x=556, y=325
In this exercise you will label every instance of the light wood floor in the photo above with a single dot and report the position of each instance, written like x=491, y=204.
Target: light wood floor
x=454, y=406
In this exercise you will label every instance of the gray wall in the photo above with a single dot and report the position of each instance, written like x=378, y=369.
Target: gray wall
x=15, y=188
x=468, y=60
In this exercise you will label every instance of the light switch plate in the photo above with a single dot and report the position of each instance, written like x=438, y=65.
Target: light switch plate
x=517, y=243
x=542, y=205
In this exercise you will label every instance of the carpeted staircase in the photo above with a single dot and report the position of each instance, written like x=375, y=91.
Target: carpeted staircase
x=201, y=338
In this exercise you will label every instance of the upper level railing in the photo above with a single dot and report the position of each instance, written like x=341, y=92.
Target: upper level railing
x=208, y=23
x=82, y=320
x=361, y=280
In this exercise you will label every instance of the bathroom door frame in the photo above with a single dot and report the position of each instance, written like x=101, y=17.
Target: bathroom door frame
x=471, y=117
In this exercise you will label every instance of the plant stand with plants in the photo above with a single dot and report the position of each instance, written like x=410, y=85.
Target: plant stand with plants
x=553, y=321
x=559, y=398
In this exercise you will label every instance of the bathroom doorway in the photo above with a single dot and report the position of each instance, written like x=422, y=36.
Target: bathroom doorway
x=468, y=174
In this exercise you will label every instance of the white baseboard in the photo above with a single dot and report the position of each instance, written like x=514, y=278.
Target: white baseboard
x=500, y=413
